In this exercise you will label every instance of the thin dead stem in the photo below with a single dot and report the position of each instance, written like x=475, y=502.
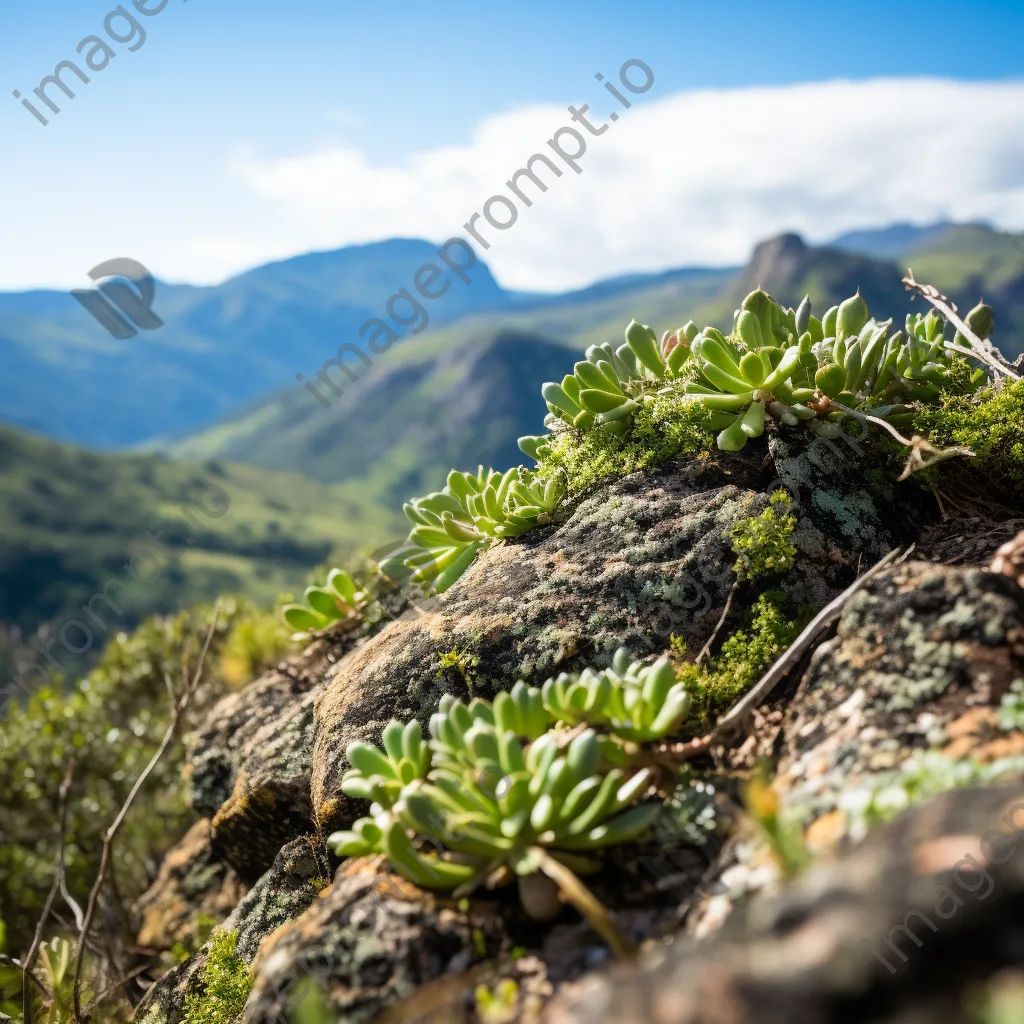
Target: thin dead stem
x=922, y=452
x=704, y=651
x=984, y=353
x=756, y=696
x=178, y=710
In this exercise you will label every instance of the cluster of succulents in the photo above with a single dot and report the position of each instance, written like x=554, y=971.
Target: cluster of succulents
x=789, y=365
x=777, y=365
x=597, y=394
x=339, y=599
x=473, y=511
x=501, y=789
x=637, y=703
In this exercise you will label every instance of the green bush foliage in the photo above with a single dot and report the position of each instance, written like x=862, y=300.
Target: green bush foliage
x=109, y=724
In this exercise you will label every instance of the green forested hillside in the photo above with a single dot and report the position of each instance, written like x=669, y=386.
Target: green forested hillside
x=455, y=396
x=72, y=520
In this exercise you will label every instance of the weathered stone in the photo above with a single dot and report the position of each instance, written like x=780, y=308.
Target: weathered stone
x=297, y=875
x=368, y=941
x=915, y=648
x=194, y=891
x=641, y=559
x=833, y=949
x=249, y=765
x=164, y=1003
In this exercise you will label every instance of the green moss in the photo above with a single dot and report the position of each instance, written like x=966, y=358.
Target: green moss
x=741, y=661
x=990, y=423
x=664, y=427
x=761, y=543
x=225, y=983
x=465, y=665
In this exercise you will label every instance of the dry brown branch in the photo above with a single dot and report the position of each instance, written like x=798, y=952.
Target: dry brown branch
x=800, y=645
x=705, y=650
x=178, y=710
x=922, y=452
x=756, y=696
x=982, y=351
x=592, y=909
x=58, y=882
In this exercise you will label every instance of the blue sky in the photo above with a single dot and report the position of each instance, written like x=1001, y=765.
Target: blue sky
x=191, y=124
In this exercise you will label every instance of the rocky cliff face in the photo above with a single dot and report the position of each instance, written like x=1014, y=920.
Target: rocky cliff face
x=919, y=667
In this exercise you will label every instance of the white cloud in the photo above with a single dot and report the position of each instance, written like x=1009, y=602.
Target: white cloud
x=693, y=178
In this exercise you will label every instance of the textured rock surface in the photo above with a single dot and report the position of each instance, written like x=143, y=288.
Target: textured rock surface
x=641, y=559
x=281, y=895
x=297, y=875
x=194, y=890
x=367, y=943
x=915, y=650
x=249, y=766
x=870, y=937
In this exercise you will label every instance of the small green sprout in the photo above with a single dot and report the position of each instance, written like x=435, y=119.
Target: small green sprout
x=473, y=511
x=500, y=1005
x=340, y=599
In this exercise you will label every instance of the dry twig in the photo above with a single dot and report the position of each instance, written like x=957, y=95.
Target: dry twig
x=756, y=696
x=800, y=645
x=178, y=710
x=984, y=353
x=705, y=650
x=922, y=452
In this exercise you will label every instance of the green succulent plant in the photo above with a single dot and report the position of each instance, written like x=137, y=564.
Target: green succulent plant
x=777, y=365
x=601, y=392
x=531, y=784
x=473, y=511
x=339, y=598
x=635, y=702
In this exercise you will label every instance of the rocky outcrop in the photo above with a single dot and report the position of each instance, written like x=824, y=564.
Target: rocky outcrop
x=249, y=766
x=642, y=559
x=368, y=941
x=896, y=932
x=917, y=650
x=194, y=891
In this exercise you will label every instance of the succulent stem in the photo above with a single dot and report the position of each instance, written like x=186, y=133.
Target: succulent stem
x=596, y=913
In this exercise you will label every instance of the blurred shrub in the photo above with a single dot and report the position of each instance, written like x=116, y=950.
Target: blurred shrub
x=110, y=723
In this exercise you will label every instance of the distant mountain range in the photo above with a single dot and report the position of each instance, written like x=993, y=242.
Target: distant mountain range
x=72, y=520
x=226, y=347
x=207, y=391
x=458, y=395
